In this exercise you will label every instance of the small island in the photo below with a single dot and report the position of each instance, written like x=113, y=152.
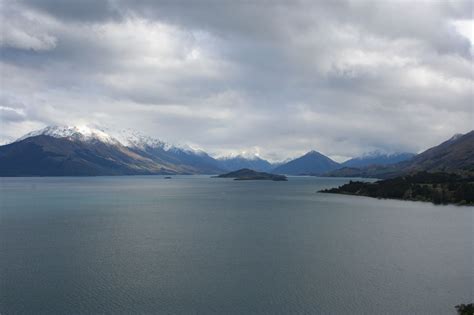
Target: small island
x=438, y=188
x=248, y=174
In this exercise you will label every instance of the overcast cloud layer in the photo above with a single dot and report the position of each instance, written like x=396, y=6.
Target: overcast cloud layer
x=279, y=78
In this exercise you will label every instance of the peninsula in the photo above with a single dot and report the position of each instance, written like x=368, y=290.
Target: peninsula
x=438, y=188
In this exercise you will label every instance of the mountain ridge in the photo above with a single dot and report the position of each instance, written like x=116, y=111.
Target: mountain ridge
x=378, y=158
x=44, y=155
x=81, y=150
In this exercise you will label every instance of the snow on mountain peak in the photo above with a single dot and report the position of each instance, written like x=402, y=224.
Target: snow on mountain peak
x=187, y=149
x=252, y=154
x=80, y=133
x=135, y=139
x=126, y=137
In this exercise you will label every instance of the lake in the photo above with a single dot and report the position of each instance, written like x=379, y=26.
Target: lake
x=194, y=244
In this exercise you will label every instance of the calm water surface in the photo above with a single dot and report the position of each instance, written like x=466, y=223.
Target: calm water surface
x=200, y=245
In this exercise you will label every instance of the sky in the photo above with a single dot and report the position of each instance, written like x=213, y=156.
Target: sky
x=276, y=78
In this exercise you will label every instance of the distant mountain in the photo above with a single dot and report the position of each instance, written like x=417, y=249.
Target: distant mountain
x=378, y=158
x=312, y=163
x=238, y=162
x=83, y=151
x=455, y=155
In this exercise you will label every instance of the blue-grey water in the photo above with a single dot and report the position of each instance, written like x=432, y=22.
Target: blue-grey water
x=200, y=245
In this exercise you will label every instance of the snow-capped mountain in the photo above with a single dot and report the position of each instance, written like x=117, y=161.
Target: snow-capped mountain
x=378, y=158
x=84, y=150
x=75, y=151
x=77, y=133
x=127, y=137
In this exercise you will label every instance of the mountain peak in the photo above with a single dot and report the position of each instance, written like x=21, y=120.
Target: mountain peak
x=313, y=153
x=81, y=133
x=312, y=163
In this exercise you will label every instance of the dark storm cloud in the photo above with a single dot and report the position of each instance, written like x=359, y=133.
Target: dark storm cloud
x=342, y=77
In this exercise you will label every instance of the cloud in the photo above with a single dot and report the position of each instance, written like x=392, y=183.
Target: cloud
x=24, y=30
x=11, y=114
x=341, y=77
x=84, y=11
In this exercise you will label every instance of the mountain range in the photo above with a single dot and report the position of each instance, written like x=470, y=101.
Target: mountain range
x=84, y=151
x=455, y=155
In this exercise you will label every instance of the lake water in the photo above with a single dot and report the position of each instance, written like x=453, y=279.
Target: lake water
x=194, y=244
